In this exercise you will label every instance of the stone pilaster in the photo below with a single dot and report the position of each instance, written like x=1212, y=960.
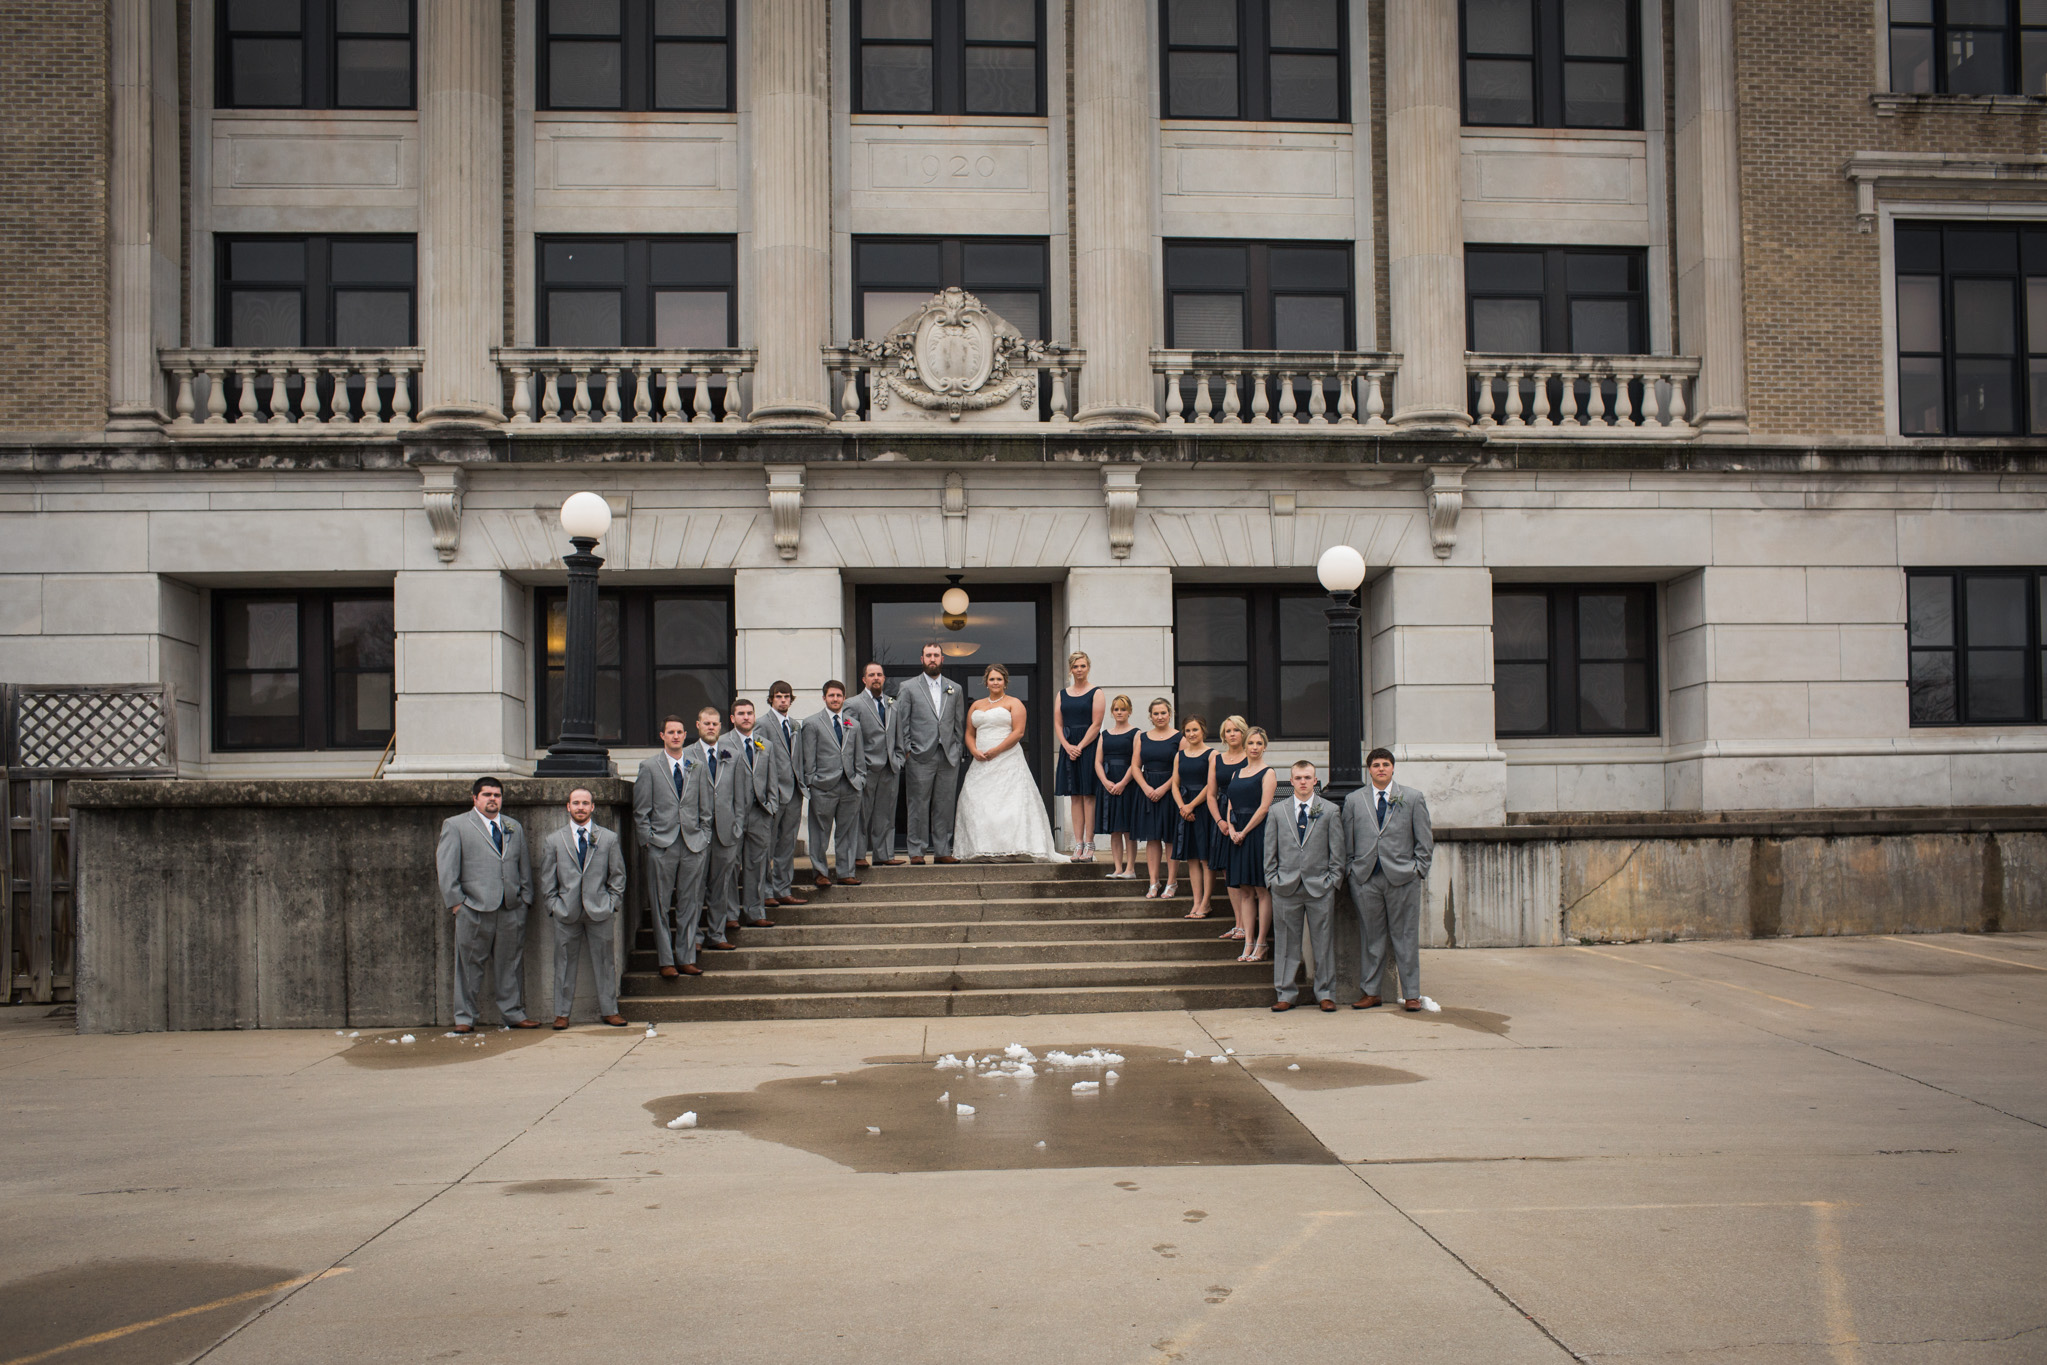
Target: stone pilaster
x=142, y=210
x=461, y=252
x=464, y=674
x=1424, y=220
x=1431, y=685
x=1709, y=214
x=791, y=626
x=789, y=194
x=1115, y=191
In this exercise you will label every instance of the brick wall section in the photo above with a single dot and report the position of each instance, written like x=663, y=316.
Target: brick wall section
x=53, y=213
x=1813, y=284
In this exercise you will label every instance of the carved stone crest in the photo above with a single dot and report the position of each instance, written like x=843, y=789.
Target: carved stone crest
x=953, y=356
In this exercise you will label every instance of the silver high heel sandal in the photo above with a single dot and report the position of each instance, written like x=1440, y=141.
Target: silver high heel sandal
x=1153, y=893
x=1167, y=894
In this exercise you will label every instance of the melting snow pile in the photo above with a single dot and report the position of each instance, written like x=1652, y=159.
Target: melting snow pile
x=408, y=1038
x=651, y=1033
x=1431, y=1006
x=874, y=1132
x=1218, y=1059
x=1094, y=1056
x=1086, y=1087
x=1293, y=1066
x=688, y=1119
x=963, y=1109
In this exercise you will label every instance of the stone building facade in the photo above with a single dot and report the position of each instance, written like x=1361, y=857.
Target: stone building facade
x=1600, y=327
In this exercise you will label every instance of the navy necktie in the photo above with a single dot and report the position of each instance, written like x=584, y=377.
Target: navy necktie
x=788, y=738
x=675, y=770
x=839, y=730
x=582, y=846
x=1382, y=810
x=747, y=749
x=1301, y=825
x=497, y=838
x=711, y=757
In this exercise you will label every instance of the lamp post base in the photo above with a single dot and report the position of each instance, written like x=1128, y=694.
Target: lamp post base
x=574, y=764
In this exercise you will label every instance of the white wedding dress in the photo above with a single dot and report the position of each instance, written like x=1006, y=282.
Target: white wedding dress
x=1001, y=813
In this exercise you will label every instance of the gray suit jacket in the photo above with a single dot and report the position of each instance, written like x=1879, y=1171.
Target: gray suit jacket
x=823, y=759
x=728, y=796
x=881, y=735
x=593, y=891
x=756, y=782
x=787, y=775
x=660, y=817
x=1403, y=848
x=1312, y=868
x=474, y=873
x=921, y=730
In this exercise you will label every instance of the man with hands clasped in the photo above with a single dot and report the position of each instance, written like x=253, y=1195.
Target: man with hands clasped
x=1391, y=844
x=752, y=757
x=1305, y=853
x=672, y=815
x=582, y=880
x=486, y=883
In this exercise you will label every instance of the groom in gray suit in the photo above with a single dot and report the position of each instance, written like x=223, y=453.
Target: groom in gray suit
x=931, y=724
x=672, y=815
x=486, y=883
x=1391, y=844
x=582, y=879
x=1305, y=853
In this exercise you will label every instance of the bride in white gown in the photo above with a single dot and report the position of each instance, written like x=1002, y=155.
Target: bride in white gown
x=1001, y=813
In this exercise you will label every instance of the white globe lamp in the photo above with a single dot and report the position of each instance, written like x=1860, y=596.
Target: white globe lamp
x=586, y=516
x=1341, y=569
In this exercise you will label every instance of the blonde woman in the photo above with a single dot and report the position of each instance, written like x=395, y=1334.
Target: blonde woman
x=1157, y=818
x=1001, y=814
x=1116, y=774
x=1227, y=763
x=1193, y=776
x=1080, y=720
x=1249, y=796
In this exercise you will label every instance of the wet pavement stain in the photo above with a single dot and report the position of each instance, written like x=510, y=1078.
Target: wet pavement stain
x=554, y=1187
x=381, y=1051
x=44, y=1312
x=1160, y=1111
x=1939, y=968
x=1327, y=1073
x=1477, y=1021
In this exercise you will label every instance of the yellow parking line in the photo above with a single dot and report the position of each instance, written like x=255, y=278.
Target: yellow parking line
x=1963, y=952
x=1713, y=981
x=132, y=1328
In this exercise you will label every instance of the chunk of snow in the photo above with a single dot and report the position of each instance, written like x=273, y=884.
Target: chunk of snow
x=948, y=1063
x=1041, y=1143
x=1230, y=1051
x=340, y=1033
x=963, y=1110
x=1431, y=1006
x=946, y=1098
x=874, y=1132
x=1111, y=1076
x=827, y=1082
x=408, y=1038
x=651, y=1033
x=1293, y=1066
x=1082, y=1087
x=688, y=1119
x=355, y=1035
x=1017, y=1052
x=1190, y=1056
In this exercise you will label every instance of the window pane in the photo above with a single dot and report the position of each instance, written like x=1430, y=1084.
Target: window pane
x=1001, y=21
x=1511, y=326
x=895, y=79
x=1019, y=310
x=1933, y=688
x=1202, y=85
x=372, y=318
x=1997, y=685
x=1964, y=13
x=1912, y=11
x=1310, y=268
x=1612, y=698
x=691, y=631
x=267, y=261
x=584, y=262
x=1595, y=95
x=2036, y=316
x=1304, y=629
x=1308, y=324
x=1975, y=62
x=1211, y=628
x=1611, y=626
x=882, y=310
x=2033, y=64
x=363, y=634
x=691, y=262
x=691, y=319
x=372, y=16
x=1504, y=26
x=895, y=18
x=589, y=319
x=267, y=73
x=1599, y=272
x=905, y=263
x=685, y=691
x=369, y=262
x=607, y=630
x=689, y=75
x=1304, y=699
x=1595, y=28
x=1210, y=267
x=583, y=75
x=1602, y=326
x=1520, y=698
x=1983, y=317
x=1303, y=23
x=1985, y=398
x=1997, y=611
x=2037, y=382
x=1520, y=626
x=1918, y=313
x=1499, y=91
x=261, y=634
x=597, y=17
x=264, y=16
x=689, y=18
x=262, y=710
x=260, y=317
x=1304, y=87
x=1203, y=22
x=1208, y=322
x=1213, y=691
x=362, y=708
x=1503, y=272
x=1001, y=80
x=1912, y=60
x=373, y=73
x=1978, y=251
x=1918, y=250
x=1930, y=600
x=610, y=707
x=1921, y=408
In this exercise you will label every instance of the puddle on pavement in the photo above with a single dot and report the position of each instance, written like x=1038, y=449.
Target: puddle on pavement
x=382, y=1050
x=45, y=1312
x=1162, y=1110
x=1327, y=1073
x=555, y=1187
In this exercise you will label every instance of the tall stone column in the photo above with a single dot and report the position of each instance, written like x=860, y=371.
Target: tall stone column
x=1431, y=680
x=1709, y=214
x=461, y=240
x=464, y=674
x=790, y=193
x=142, y=210
x=1114, y=190
x=1425, y=212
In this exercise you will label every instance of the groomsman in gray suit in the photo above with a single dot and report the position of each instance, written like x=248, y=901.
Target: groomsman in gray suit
x=828, y=756
x=1305, y=853
x=788, y=780
x=931, y=730
x=673, y=817
x=877, y=713
x=582, y=879
x=1391, y=844
x=728, y=830
x=486, y=883
x=751, y=758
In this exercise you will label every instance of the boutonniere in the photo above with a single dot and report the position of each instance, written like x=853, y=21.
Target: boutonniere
x=1314, y=814
x=758, y=745
x=688, y=763
x=1393, y=800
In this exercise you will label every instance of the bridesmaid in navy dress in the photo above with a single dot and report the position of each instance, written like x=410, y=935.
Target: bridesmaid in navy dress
x=1232, y=757
x=1193, y=776
x=1116, y=807
x=1080, y=720
x=1158, y=819
x=1250, y=797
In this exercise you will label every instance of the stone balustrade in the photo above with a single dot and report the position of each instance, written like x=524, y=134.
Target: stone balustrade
x=877, y=384
x=228, y=388
x=1579, y=395
x=1276, y=388
x=607, y=388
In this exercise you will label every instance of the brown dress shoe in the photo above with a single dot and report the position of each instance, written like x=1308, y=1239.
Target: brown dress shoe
x=849, y=881
x=670, y=972
x=762, y=924
x=862, y=862
x=897, y=862
x=722, y=946
x=1282, y=1006
x=794, y=900
x=1411, y=1006
x=1370, y=1002
x=463, y=1028
x=947, y=858
x=615, y=1020
x=561, y=1021
x=823, y=883
x=691, y=969
x=1328, y=1005
x=524, y=1023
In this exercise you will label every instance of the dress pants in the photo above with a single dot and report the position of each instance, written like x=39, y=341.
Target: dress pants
x=750, y=887
x=834, y=812
x=934, y=789
x=1290, y=914
x=721, y=886
x=782, y=848
x=1389, y=922
x=675, y=891
x=878, y=813
x=568, y=953
x=499, y=938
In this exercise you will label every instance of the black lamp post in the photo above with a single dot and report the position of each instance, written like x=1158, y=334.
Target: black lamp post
x=1341, y=570
x=577, y=752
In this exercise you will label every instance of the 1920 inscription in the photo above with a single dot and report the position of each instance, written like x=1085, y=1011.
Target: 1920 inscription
x=933, y=166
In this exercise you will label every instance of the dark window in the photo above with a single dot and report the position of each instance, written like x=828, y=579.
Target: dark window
x=1556, y=301
x=1574, y=660
x=602, y=293
x=660, y=652
x=1278, y=60
x=1260, y=653
x=1972, y=329
x=315, y=54
x=314, y=291
x=309, y=670
x=1234, y=296
x=1551, y=64
x=949, y=56
x=1977, y=639
x=893, y=276
x=636, y=54
x=1969, y=47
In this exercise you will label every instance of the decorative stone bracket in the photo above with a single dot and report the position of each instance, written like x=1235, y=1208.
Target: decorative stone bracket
x=1445, y=485
x=955, y=508
x=1119, y=492
x=442, y=493
x=785, y=502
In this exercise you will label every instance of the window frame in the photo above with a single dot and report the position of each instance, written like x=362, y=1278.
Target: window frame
x=2029, y=409
x=316, y=669
x=1264, y=663
x=1565, y=645
x=319, y=38
x=1254, y=53
x=1556, y=295
x=2015, y=28
x=2034, y=649
x=951, y=273
x=318, y=288
x=948, y=46
x=1546, y=69
x=639, y=725
x=637, y=290
x=1260, y=301
x=638, y=49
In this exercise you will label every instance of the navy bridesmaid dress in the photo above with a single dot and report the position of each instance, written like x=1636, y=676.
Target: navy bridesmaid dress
x=1220, y=844
x=1247, y=859
x=1157, y=821
x=1076, y=776
x=1116, y=813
